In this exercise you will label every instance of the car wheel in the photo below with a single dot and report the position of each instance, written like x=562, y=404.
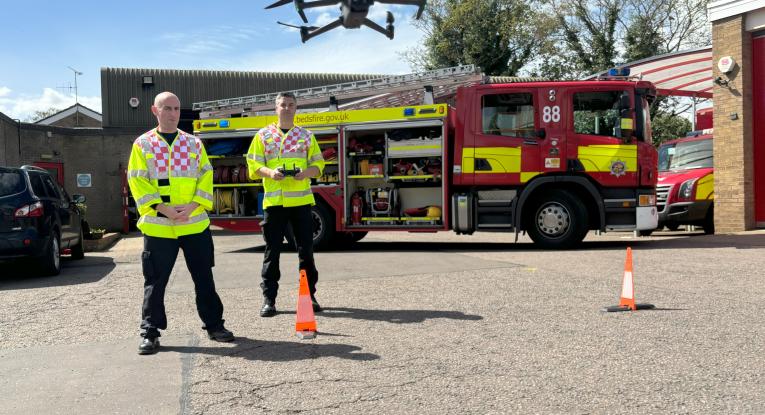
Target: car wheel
x=558, y=220
x=78, y=251
x=51, y=261
x=673, y=226
x=646, y=232
x=709, y=222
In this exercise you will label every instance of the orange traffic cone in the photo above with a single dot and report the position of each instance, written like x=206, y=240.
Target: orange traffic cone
x=627, y=299
x=305, y=322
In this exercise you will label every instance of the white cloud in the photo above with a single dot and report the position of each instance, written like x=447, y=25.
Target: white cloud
x=24, y=105
x=4, y=90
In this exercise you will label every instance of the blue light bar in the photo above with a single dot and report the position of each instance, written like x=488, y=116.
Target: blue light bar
x=408, y=112
x=223, y=123
x=623, y=71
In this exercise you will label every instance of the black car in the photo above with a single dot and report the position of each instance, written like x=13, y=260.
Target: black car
x=38, y=219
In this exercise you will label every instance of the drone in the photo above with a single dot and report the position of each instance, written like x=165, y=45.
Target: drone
x=354, y=15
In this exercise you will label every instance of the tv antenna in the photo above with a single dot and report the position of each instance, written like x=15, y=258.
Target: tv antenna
x=76, y=97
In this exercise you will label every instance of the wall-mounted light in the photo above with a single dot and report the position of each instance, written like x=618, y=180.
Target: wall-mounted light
x=148, y=80
x=721, y=81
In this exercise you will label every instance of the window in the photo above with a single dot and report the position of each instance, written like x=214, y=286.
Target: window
x=597, y=113
x=37, y=185
x=11, y=183
x=51, y=188
x=509, y=115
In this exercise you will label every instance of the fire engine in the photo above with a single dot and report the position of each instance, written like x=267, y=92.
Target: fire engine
x=685, y=190
x=554, y=159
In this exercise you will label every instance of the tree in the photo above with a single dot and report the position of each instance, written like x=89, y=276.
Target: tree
x=500, y=36
x=667, y=126
x=39, y=115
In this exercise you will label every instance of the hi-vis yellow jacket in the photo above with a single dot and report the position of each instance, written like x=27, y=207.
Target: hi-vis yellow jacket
x=272, y=148
x=173, y=174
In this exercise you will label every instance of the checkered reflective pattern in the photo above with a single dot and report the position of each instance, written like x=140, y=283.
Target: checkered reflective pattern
x=180, y=160
x=290, y=141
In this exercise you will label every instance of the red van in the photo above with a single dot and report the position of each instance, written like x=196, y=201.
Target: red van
x=685, y=191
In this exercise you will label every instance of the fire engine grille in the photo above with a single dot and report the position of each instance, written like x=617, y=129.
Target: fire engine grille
x=662, y=193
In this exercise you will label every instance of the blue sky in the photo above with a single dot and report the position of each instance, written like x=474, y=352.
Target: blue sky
x=40, y=39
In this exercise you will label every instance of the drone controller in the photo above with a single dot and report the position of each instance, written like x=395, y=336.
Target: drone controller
x=288, y=172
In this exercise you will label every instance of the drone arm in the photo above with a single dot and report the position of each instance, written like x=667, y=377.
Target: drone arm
x=378, y=28
x=323, y=29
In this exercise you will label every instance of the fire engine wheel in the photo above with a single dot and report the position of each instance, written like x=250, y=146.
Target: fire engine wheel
x=349, y=238
x=323, y=228
x=558, y=220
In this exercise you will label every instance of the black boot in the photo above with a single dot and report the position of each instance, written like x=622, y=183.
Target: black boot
x=316, y=307
x=149, y=345
x=220, y=335
x=269, y=308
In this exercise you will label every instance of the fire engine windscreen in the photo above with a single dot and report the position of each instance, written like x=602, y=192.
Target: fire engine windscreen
x=597, y=113
x=510, y=115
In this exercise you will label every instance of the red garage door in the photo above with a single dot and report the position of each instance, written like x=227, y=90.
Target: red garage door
x=758, y=102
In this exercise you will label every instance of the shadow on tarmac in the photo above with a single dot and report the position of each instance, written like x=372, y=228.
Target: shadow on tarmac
x=662, y=240
x=23, y=274
x=392, y=316
x=277, y=351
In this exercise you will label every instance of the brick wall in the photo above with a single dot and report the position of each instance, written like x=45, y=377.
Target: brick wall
x=100, y=152
x=733, y=162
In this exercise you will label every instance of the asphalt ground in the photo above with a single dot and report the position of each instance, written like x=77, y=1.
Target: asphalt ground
x=414, y=324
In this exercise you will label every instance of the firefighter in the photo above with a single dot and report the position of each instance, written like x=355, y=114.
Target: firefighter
x=276, y=153
x=170, y=178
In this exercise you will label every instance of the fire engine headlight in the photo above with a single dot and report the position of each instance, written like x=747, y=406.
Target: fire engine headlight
x=686, y=189
x=647, y=200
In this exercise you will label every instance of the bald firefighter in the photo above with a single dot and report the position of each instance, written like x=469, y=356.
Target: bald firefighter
x=286, y=156
x=170, y=178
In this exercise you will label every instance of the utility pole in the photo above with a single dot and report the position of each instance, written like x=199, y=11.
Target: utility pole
x=76, y=97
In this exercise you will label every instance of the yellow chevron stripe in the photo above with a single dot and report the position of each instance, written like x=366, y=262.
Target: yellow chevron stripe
x=705, y=187
x=599, y=158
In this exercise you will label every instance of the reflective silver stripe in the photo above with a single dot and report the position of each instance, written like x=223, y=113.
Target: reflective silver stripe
x=272, y=194
x=298, y=194
x=204, y=195
x=206, y=168
x=256, y=158
x=291, y=155
x=148, y=198
x=188, y=173
x=317, y=157
x=138, y=173
x=158, y=220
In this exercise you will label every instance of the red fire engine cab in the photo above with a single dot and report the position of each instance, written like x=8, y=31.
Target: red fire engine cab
x=553, y=159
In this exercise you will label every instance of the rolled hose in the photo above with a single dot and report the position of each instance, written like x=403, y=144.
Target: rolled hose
x=224, y=202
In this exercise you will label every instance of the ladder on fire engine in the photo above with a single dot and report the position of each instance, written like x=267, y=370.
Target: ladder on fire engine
x=391, y=90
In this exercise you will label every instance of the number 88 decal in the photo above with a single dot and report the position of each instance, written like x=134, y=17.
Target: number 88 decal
x=551, y=114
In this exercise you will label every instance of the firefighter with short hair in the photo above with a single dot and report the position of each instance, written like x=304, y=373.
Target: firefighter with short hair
x=286, y=156
x=170, y=178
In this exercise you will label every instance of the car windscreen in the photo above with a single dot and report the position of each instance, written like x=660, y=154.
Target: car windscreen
x=11, y=183
x=692, y=155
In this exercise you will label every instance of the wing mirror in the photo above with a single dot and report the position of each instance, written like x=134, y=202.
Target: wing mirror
x=77, y=198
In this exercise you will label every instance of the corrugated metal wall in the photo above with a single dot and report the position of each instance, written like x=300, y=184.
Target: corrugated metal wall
x=118, y=85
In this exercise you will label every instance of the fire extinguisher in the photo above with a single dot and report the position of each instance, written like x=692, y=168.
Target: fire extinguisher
x=357, y=206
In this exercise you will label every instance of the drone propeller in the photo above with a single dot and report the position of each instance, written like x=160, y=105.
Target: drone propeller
x=279, y=3
x=298, y=6
x=298, y=27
